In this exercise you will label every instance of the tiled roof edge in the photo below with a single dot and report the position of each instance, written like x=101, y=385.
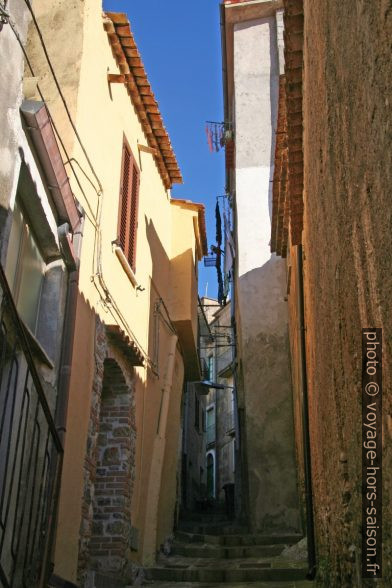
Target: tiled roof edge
x=129, y=62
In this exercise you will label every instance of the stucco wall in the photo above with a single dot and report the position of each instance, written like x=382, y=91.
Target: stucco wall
x=11, y=95
x=103, y=115
x=260, y=282
x=347, y=247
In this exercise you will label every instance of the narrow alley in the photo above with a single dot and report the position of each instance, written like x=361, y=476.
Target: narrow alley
x=195, y=325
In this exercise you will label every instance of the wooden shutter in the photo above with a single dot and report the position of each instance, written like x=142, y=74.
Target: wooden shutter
x=133, y=216
x=129, y=204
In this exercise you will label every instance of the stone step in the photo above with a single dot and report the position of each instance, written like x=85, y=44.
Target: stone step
x=233, y=540
x=225, y=576
x=287, y=584
x=222, y=552
x=204, y=517
x=177, y=569
x=213, y=528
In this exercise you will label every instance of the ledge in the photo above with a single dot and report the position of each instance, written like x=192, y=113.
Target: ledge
x=127, y=268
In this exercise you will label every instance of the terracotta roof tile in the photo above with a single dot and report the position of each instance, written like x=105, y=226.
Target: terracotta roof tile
x=131, y=65
x=128, y=347
x=287, y=198
x=293, y=18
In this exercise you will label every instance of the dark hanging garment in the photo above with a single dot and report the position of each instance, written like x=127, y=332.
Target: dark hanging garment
x=216, y=138
x=221, y=297
x=218, y=225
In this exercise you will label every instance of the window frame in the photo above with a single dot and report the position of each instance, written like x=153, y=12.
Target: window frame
x=19, y=271
x=127, y=235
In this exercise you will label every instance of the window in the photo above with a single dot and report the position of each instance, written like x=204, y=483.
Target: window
x=210, y=425
x=25, y=268
x=211, y=368
x=129, y=203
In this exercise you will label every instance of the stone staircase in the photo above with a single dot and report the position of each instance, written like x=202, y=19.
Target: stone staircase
x=220, y=553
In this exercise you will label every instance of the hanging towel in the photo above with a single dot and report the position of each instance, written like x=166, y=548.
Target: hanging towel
x=209, y=138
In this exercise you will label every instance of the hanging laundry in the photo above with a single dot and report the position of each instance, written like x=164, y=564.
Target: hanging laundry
x=216, y=138
x=218, y=225
x=221, y=296
x=209, y=138
x=222, y=136
x=229, y=244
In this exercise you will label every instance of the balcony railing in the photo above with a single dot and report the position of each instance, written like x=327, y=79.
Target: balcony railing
x=30, y=458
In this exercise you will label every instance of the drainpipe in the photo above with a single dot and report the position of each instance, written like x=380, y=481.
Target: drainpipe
x=64, y=377
x=158, y=455
x=72, y=259
x=305, y=423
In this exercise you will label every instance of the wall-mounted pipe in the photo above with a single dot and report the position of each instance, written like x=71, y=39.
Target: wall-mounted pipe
x=305, y=422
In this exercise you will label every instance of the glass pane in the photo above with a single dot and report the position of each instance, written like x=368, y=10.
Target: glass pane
x=210, y=417
x=13, y=250
x=31, y=270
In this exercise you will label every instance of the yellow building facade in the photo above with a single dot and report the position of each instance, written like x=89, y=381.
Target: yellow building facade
x=133, y=333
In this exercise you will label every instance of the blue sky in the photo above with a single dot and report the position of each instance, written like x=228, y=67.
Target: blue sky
x=180, y=46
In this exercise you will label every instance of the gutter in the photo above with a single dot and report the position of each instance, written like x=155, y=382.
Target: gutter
x=64, y=378
x=224, y=62
x=68, y=338
x=149, y=548
x=305, y=423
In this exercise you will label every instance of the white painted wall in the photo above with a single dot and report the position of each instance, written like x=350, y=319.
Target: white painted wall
x=256, y=75
x=260, y=283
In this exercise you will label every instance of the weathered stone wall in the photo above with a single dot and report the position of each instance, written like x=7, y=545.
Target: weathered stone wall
x=194, y=488
x=109, y=466
x=347, y=246
x=11, y=96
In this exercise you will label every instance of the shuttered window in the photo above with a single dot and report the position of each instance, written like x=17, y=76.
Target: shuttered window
x=129, y=204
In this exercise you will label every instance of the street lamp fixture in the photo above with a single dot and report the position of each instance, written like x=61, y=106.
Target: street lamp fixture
x=205, y=385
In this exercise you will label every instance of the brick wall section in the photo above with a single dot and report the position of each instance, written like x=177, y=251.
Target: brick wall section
x=114, y=475
x=90, y=464
x=109, y=466
x=347, y=246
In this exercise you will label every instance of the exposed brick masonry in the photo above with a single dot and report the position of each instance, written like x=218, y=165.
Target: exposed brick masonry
x=109, y=465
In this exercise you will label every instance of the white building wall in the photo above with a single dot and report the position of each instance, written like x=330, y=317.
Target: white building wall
x=260, y=286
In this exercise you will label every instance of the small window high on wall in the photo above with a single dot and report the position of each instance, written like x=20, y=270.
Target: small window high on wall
x=129, y=204
x=25, y=268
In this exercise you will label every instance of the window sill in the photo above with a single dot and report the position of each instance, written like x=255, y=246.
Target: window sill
x=36, y=348
x=126, y=267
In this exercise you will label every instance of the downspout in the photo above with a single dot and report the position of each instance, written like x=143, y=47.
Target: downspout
x=68, y=338
x=224, y=65
x=64, y=376
x=158, y=455
x=305, y=423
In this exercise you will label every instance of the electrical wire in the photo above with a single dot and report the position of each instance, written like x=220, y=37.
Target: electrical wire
x=13, y=28
x=27, y=2
x=107, y=299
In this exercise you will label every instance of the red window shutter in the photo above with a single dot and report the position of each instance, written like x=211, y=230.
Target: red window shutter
x=129, y=203
x=133, y=216
x=124, y=199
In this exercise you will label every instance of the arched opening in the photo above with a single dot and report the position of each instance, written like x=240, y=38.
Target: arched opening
x=113, y=481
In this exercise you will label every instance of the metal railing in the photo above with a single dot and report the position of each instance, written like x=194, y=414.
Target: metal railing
x=30, y=458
